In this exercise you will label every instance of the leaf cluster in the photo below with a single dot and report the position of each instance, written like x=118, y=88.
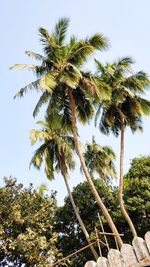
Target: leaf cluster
x=27, y=233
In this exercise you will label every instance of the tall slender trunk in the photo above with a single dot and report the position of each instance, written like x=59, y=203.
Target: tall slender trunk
x=89, y=180
x=86, y=234
x=120, y=194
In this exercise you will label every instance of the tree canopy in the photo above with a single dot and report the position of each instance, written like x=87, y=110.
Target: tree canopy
x=27, y=236
x=34, y=230
x=137, y=199
x=137, y=193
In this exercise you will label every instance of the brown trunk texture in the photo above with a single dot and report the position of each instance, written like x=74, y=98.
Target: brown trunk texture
x=80, y=220
x=120, y=194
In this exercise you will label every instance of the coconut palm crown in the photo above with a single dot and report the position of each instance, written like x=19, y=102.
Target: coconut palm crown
x=126, y=101
x=100, y=159
x=60, y=68
x=56, y=150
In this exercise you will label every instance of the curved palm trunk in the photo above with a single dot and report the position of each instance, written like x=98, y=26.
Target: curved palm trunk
x=89, y=180
x=79, y=219
x=120, y=198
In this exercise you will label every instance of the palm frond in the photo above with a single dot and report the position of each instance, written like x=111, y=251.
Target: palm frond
x=60, y=30
x=80, y=52
x=35, y=55
x=84, y=105
x=137, y=82
x=70, y=75
x=46, y=37
x=58, y=109
x=98, y=41
x=103, y=125
x=125, y=63
x=66, y=117
x=38, y=135
x=49, y=169
x=23, y=66
x=89, y=84
x=99, y=66
x=44, y=124
x=47, y=82
x=134, y=84
x=72, y=42
x=37, y=159
x=51, y=48
x=124, y=92
x=100, y=159
x=143, y=77
x=82, y=49
x=43, y=100
x=136, y=124
x=104, y=90
x=145, y=105
x=31, y=86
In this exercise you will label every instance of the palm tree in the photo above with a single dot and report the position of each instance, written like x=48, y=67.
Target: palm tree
x=56, y=151
x=100, y=159
x=124, y=109
x=67, y=90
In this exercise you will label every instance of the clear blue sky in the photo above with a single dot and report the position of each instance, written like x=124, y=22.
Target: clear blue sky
x=125, y=23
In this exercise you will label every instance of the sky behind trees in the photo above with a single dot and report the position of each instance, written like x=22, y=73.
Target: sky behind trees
x=124, y=23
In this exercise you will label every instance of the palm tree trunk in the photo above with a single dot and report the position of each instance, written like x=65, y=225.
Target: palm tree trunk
x=120, y=194
x=89, y=180
x=79, y=219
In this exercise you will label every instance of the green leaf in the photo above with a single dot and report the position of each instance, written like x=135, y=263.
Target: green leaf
x=60, y=30
x=47, y=82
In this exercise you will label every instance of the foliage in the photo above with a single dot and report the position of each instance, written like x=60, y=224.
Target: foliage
x=137, y=199
x=137, y=192
x=27, y=235
x=140, y=168
x=55, y=150
x=126, y=102
x=100, y=160
x=60, y=68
